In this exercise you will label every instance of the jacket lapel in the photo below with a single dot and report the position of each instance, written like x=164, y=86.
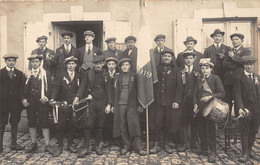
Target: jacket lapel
x=131, y=81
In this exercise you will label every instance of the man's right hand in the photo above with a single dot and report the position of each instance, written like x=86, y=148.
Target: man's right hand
x=25, y=103
x=241, y=112
x=76, y=101
x=196, y=108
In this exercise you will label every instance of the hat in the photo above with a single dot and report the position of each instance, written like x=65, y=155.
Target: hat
x=35, y=56
x=206, y=62
x=67, y=34
x=124, y=60
x=130, y=38
x=111, y=59
x=42, y=38
x=110, y=39
x=248, y=59
x=88, y=32
x=239, y=35
x=10, y=55
x=159, y=36
x=98, y=58
x=217, y=31
x=71, y=58
x=188, y=53
x=167, y=51
x=189, y=39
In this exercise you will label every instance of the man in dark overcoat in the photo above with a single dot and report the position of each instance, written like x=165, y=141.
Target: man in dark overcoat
x=11, y=96
x=112, y=51
x=247, y=98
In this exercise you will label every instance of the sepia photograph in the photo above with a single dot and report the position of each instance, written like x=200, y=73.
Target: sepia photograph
x=118, y=82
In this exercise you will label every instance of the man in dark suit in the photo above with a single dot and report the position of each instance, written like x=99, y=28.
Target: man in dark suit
x=86, y=53
x=247, y=98
x=190, y=73
x=95, y=87
x=190, y=44
x=63, y=52
x=65, y=87
x=48, y=62
x=216, y=52
x=11, y=96
x=130, y=52
x=112, y=51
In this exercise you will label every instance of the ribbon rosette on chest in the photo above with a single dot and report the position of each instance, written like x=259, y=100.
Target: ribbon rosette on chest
x=115, y=84
x=223, y=51
x=256, y=81
x=78, y=82
x=61, y=51
x=197, y=74
x=95, y=54
x=168, y=72
x=67, y=81
x=183, y=71
x=238, y=52
x=132, y=78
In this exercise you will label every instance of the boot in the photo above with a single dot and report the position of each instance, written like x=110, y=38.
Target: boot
x=155, y=149
x=84, y=152
x=243, y=158
x=70, y=147
x=124, y=150
x=14, y=145
x=60, y=147
x=98, y=147
x=31, y=148
x=212, y=157
x=49, y=150
x=168, y=149
x=2, y=129
x=183, y=148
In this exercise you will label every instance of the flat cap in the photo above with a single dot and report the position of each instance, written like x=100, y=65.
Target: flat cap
x=110, y=39
x=41, y=38
x=248, y=59
x=167, y=51
x=98, y=58
x=111, y=59
x=88, y=32
x=190, y=39
x=217, y=31
x=159, y=36
x=10, y=55
x=206, y=62
x=239, y=35
x=67, y=34
x=130, y=38
x=35, y=56
x=188, y=53
x=124, y=60
x=71, y=58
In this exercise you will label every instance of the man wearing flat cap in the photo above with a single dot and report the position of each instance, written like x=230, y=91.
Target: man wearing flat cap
x=189, y=43
x=11, y=96
x=65, y=87
x=130, y=52
x=86, y=53
x=247, y=95
x=65, y=51
x=96, y=87
x=48, y=62
x=112, y=51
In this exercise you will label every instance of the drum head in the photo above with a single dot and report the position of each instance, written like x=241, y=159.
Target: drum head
x=208, y=108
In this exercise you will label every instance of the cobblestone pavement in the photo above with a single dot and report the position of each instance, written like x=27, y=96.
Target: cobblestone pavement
x=9, y=157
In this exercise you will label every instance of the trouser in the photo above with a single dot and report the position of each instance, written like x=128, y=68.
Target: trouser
x=96, y=119
x=229, y=96
x=127, y=141
x=248, y=128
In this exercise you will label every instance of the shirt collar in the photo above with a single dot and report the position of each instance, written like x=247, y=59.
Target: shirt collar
x=9, y=69
x=237, y=47
x=187, y=67
x=43, y=48
x=215, y=44
x=207, y=75
x=89, y=45
x=67, y=45
x=36, y=70
x=159, y=48
x=247, y=73
x=70, y=71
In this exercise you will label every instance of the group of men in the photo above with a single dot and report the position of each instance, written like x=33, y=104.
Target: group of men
x=107, y=80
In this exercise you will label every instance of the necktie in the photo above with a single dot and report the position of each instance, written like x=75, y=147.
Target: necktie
x=189, y=70
x=161, y=49
x=35, y=73
x=250, y=76
x=217, y=46
x=67, y=48
x=88, y=49
x=11, y=73
x=71, y=76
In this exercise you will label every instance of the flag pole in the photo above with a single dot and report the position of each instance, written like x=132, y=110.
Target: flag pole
x=147, y=131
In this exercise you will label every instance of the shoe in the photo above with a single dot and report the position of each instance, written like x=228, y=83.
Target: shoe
x=212, y=157
x=83, y=153
x=105, y=144
x=155, y=149
x=31, y=148
x=182, y=148
x=115, y=148
x=98, y=150
x=124, y=150
x=49, y=150
x=58, y=152
x=168, y=149
x=243, y=158
x=254, y=156
x=72, y=149
x=16, y=147
x=141, y=152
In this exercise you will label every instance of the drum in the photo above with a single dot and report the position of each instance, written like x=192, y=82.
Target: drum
x=80, y=113
x=217, y=110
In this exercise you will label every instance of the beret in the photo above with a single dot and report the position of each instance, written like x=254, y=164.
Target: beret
x=217, y=31
x=99, y=58
x=188, y=53
x=189, y=39
x=124, y=60
x=35, y=56
x=67, y=34
x=10, y=55
x=248, y=59
x=41, y=38
x=111, y=59
x=206, y=62
x=88, y=32
x=167, y=51
x=130, y=38
x=159, y=36
x=239, y=35
x=110, y=39
x=71, y=58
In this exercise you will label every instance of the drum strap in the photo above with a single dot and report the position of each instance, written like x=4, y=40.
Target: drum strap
x=206, y=85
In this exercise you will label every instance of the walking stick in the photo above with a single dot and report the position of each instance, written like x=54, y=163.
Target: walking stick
x=147, y=131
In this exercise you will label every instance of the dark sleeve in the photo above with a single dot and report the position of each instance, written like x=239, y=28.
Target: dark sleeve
x=206, y=54
x=178, y=60
x=237, y=58
x=179, y=88
x=196, y=93
x=83, y=87
x=23, y=79
x=49, y=82
x=110, y=91
x=237, y=95
x=56, y=87
x=220, y=92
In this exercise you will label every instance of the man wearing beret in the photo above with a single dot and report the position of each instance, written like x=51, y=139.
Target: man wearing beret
x=86, y=53
x=160, y=42
x=37, y=91
x=166, y=117
x=247, y=95
x=48, y=62
x=130, y=52
x=112, y=51
x=11, y=96
x=66, y=84
x=189, y=44
x=65, y=51
x=95, y=87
